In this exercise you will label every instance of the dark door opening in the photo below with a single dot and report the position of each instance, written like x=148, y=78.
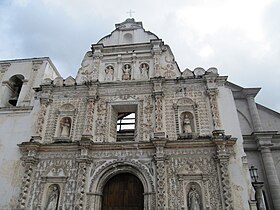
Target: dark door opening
x=123, y=192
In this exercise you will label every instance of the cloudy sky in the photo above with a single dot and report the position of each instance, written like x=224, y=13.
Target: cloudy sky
x=239, y=37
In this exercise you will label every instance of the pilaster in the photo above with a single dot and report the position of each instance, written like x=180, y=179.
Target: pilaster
x=159, y=159
x=158, y=95
x=223, y=142
x=84, y=163
x=254, y=112
x=30, y=162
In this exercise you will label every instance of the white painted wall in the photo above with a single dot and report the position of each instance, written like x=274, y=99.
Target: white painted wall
x=239, y=175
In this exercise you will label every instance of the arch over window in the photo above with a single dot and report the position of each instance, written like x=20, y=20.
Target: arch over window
x=14, y=87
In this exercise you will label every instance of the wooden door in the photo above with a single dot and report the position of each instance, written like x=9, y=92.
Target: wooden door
x=123, y=192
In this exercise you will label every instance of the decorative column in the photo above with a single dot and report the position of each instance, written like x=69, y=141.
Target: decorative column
x=30, y=162
x=264, y=143
x=97, y=56
x=160, y=158
x=41, y=119
x=258, y=188
x=133, y=70
x=88, y=126
x=159, y=131
x=118, y=74
x=222, y=143
x=156, y=50
x=84, y=162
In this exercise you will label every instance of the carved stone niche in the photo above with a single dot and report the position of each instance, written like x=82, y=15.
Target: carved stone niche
x=66, y=115
x=53, y=185
x=186, y=118
x=195, y=187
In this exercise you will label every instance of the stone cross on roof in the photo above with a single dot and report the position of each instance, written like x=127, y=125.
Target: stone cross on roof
x=130, y=13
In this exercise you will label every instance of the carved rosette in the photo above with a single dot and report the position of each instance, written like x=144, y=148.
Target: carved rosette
x=160, y=173
x=212, y=93
x=89, y=117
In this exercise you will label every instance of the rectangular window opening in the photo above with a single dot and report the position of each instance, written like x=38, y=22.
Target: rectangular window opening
x=126, y=126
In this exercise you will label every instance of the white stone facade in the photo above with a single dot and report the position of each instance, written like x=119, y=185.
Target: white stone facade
x=61, y=143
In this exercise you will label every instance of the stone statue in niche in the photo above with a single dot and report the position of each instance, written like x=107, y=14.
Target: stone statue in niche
x=186, y=123
x=126, y=72
x=144, y=67
x=52, y=197
x=65, y=126
x=109, y=73
x=193, y=199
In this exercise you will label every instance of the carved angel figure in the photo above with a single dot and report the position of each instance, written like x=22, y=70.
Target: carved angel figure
x=126, y=72
x=194, y=199
x=53, y=197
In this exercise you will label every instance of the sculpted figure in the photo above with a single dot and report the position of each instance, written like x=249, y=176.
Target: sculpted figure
x=109, y=72
x=144, y=71
x=126, y=72
x=65, y=125
x=52, y=200
x=187, y=128
x=194, y=199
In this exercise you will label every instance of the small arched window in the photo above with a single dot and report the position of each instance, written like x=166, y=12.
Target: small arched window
x=14, y=88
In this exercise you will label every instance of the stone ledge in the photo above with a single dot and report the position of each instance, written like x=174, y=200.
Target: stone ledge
x=15, y=109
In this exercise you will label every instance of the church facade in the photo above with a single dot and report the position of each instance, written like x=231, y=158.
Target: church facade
x=131, y=131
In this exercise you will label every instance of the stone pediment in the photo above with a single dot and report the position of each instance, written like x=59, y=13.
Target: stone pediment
x=128, y=32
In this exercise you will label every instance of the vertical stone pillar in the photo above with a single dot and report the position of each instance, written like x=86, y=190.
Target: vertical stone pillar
x=264, y=143
x=84, y=162
x=88, y=126
x=222, y=143
x=159, y=130
x=118, y=74
x=258, y=188
x=156, y=44
x=160, y=158
x=41, y=120
x=30, y=162
x=3, y=98
x=28, y=89
x=254, y=113
x=133, y=68
x=3, y=68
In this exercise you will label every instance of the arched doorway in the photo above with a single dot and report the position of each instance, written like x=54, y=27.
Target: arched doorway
x=123, y=192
